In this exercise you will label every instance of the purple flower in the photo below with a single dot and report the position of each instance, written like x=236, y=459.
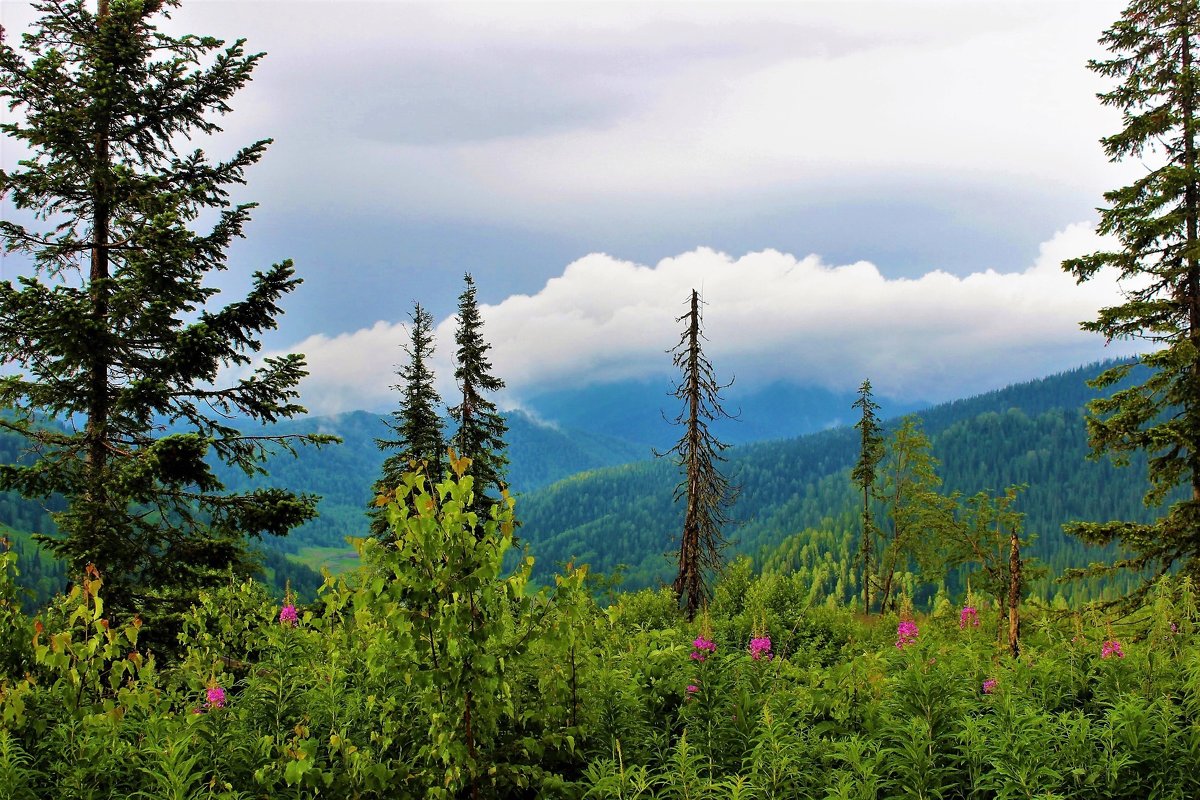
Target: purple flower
x=287, y=615
x=989, y=686
x=1111, y=648
x=906, y=633
x=215, y=698
x=692, y=688
x=703, y=647
x=968, y=616
x=760, y=647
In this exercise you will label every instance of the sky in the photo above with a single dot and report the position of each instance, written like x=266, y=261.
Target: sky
x=858, y=189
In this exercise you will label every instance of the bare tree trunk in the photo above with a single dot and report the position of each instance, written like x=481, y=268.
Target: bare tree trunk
x=689, y=584
x=1014, y=594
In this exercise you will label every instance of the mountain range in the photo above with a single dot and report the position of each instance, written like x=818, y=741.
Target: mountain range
x=588, y=488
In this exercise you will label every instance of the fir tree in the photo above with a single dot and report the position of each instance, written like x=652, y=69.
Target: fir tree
x=115, y=330
x=707, y=493
x=481, y=428
x=1156, y=219
x=418, y=442
x=864, y=475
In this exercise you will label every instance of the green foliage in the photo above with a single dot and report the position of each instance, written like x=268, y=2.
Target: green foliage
x=920, y=517
x=416, y=429
x=864, y=475
x=1156, y=220
x=115, y=328
x=367, y=692
x=480, y=427
x=798, y=509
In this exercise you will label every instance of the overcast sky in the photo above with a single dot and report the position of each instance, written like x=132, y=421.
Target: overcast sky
x=879, y=189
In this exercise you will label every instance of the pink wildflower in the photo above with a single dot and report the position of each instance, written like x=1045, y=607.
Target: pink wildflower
x=989, y=686
x=287, y=615
x=692, y=688
x=1111, y=648
x=760, y=647
x=215, y=697
x=968, y=616
x=906, y=633
x=703, y=647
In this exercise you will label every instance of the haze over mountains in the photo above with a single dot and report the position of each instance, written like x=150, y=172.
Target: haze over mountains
x=642, y=411
x=589, y=489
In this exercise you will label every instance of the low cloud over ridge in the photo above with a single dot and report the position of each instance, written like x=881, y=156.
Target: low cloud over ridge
x=769, y=316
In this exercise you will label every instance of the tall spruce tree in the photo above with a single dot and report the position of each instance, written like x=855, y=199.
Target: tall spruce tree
x=1156, y=219
x=114, y=332
x=418, y=443
x=481, y=428
x=707, y=493
x=864, y=476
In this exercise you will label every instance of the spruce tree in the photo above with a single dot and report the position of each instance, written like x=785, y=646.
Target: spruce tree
x=707, y=493
x=481, y=429
x=864, y=476
x=122, y=391
x=418, y=443
x=1156, y=220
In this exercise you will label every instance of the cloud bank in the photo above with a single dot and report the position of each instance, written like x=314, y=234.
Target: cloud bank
x=768, y=316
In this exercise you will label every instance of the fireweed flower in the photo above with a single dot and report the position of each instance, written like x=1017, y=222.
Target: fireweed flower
x=968, y=616
x=906, y=633
x=989, y=686
x=287, y=615
x=703, y=648
x=1111, y=648
x=760, y=647
x=215, y=697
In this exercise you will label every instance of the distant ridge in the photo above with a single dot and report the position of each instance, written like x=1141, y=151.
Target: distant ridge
x=639, y=411
x=599, y=498
x=1031, y=433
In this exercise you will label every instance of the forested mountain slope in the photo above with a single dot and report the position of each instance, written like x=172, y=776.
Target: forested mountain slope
x=343, y=474
x=797, y=508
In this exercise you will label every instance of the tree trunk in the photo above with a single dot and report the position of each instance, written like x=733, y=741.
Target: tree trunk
x=98, y=407
x=866, y=549
x=1014, y=594
x=689, y=583
x=1191, y=288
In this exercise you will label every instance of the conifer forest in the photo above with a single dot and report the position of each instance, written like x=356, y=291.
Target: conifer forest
x=207, y=593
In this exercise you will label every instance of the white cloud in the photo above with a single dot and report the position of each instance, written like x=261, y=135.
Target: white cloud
x=769, y=316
